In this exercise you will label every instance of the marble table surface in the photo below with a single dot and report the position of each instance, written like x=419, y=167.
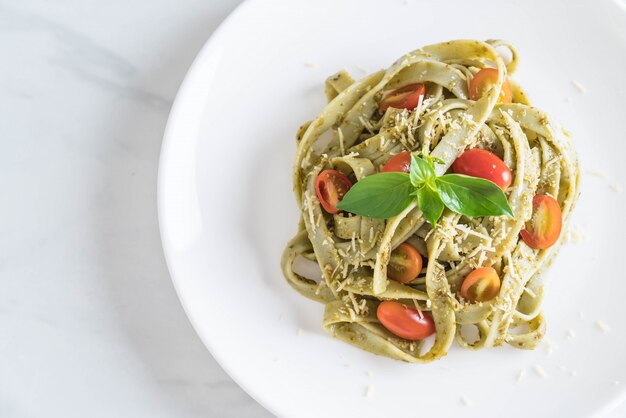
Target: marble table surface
x=90, y=325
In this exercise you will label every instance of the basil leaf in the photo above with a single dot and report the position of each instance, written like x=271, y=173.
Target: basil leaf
x=430, y=204
x=380, y=196
x=421, y=171
x=472, y=196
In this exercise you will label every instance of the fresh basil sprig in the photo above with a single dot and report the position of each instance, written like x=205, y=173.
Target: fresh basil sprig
x=385, y=195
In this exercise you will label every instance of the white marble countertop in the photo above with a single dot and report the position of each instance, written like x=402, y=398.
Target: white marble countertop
x=90, y=325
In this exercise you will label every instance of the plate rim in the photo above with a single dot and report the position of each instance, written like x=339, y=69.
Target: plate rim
x=179, y=104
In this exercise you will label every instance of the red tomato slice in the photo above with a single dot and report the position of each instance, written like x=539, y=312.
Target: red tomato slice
x=403, y=321
x=544, y=228
x=405, y=97
x=482, y=82
x=481, y=285
x=405, y=263
x=400, y=162
x=477, y=162
x=330, y=187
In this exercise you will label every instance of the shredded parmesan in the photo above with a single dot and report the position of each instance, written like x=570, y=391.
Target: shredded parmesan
x=466, y=401
x=340, y=135
x=598, y=173
x=419, y=311
x=368, y=391
x=309, y=205
x=521, y=375
x=616, y=187
x=576, y=234
x=551, y=347
x=603, y=325
x=530, y=292
x=540, y=371
x=579, y=86
x=362, y=69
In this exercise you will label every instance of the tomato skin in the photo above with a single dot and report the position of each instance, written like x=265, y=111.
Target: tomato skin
x=478, y=162
x=403, y=321
x=544, y=228
x=406, y=97
x=481, y=285
x=330, y=187
x=482, y=81
x=405, y=263
x=398, y=163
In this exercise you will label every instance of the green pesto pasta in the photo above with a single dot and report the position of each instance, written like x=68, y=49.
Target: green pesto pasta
x=352, y=135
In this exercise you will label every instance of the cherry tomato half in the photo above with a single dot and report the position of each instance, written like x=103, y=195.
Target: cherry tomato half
x=400, y=162
x=330, y=187
x=405, y=97
x=544, y=228
x=405, y=263
x=481, y=285
x=477, y=162
x=403, y=321
x=482, y=82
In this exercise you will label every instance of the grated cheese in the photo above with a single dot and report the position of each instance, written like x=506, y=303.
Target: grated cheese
x=362, y=69
x=521, y=375
x=311, y=64
x=530, y=292
x=419, y=311
x=616, y=187
x=579, y=86
x=368, y=391
x=341, y=148
x=551, y=347
x=540, y=371
x=355, y=304
x=598, y=173
x=466, y=401
x=309, y=205
x=603, y=325
x=321, y=284
x=576, y=234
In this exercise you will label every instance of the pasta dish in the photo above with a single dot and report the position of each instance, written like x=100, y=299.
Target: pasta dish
x=432, y=198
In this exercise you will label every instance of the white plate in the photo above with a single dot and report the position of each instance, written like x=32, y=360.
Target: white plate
x=226, y=207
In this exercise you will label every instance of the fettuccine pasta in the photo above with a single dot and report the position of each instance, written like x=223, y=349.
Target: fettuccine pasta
x=354, y=136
